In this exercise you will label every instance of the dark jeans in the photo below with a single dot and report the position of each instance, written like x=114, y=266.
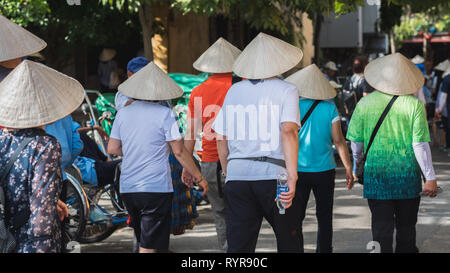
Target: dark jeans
x=400, y=215
x=247, y=203
x=322, y=184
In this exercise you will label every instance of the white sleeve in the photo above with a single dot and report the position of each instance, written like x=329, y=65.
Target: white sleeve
x=290, y=111
x=171, y=127
x=442, y=98
x=357, y=150
x=423, y=156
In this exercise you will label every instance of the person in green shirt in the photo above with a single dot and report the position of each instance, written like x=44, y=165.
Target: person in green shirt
x=399, y=152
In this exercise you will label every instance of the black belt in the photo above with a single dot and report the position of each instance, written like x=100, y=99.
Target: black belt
x=278, y=162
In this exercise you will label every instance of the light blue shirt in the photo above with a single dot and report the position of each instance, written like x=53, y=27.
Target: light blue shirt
x=87, y=169
x=65, y=131
x=251, y=118
x=144, y=128
x=315, y=140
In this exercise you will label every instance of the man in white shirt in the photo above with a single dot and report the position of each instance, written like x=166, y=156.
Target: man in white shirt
x=257, y=133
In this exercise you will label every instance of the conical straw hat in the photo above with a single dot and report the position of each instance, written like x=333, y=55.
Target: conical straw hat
x=107, y=54
x=150, y=83
x=418, y=59
x=443, y=65
x=312, y=84
x=33, y=95
x=17, y=42
x=218, y=58
x=266, y=57
x=446, y=72
x=394, y=74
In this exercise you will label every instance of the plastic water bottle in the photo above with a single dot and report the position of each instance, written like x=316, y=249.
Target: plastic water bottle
x=281, y=187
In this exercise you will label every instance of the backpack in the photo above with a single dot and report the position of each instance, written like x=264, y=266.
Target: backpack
x=7, y=238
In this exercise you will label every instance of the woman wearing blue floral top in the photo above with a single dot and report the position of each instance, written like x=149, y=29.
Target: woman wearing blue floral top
x=34, y=95
x=34, y=184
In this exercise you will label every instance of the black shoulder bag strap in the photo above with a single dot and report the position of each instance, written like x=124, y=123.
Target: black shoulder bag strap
x=311, y=109
x=380, y=121
x=22, y=218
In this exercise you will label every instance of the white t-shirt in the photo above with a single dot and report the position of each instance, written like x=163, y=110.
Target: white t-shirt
x=144, y=128
x=251, y=118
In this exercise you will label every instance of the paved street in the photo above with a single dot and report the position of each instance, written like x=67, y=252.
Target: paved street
x=351, y=223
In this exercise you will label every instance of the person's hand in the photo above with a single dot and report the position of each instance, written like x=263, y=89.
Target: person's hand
x=62, y=210
x=203, y=184
x=350, y=178
x=430, y=188
x=187, y=178
x=438, y=114
x=102, y=132
x=287, y=197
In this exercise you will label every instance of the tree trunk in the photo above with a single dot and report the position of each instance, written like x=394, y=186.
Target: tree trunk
x=316, y=36
x=146, y=20
x=392, y=41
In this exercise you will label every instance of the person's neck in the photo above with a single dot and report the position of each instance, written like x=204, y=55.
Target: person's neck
x=11, y=64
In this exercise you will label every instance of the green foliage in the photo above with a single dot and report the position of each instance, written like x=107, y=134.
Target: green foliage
x=24, y=12
x=437, y=17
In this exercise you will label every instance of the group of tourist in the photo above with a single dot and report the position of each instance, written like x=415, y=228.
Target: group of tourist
x=255, y=128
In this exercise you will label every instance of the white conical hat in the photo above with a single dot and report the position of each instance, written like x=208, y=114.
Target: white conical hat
x=312, y=84
x=394, y=74
x=17, y=42
x=150, y=83
x=446, y=72
x=218, y=58
x=266, y=57
x=443, y=65
x=107, y=54
x=418, y=59
x=33, y=95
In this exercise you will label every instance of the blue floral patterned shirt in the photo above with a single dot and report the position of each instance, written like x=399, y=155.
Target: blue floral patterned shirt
x=33, y=184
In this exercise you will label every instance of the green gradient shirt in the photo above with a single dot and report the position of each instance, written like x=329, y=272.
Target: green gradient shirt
x=391, y=170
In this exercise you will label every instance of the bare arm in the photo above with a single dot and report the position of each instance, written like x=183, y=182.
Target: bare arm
x=185, y=159
x=289, y=140
x=341, y=147
x=222, y=148
x=115, y=147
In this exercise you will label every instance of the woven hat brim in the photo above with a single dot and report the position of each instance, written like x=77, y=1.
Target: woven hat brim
x=150, y=83
x=17, y=42
x=34, y=95
x=266, y=57
x=218, y=58
x=394, y=74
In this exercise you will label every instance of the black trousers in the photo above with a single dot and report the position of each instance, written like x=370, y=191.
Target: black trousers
x=150, y=214
x=399, y=215
x=322, y=184
x=247, y=203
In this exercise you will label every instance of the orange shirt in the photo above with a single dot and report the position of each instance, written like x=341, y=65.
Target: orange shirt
x=206, y=101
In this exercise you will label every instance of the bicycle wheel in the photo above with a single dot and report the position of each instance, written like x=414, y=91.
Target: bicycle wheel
x=100, y=230
x=76, y=221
